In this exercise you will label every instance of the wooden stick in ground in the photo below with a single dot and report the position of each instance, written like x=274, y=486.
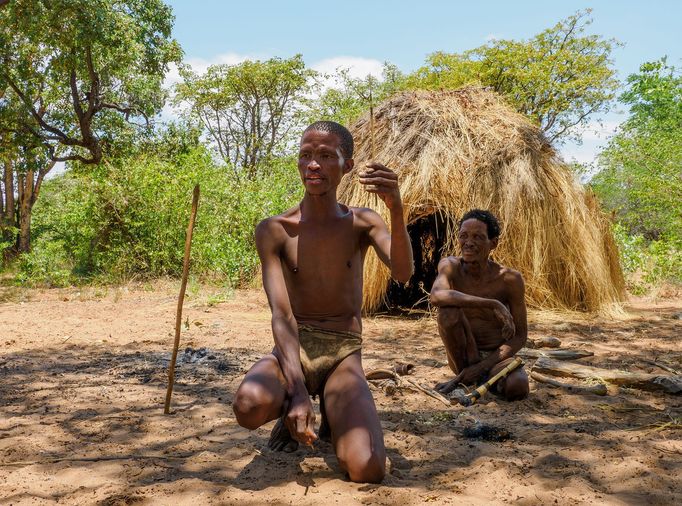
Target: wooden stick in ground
x=372, y=150
x=181, y=298
x=598, y=389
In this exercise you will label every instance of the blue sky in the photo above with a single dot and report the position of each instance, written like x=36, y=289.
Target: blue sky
x=361, y=35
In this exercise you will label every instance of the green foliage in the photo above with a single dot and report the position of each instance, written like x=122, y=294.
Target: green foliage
x=558, y=78
x=248, y=110
x=639, y=171
x=639, y=178
x=648, y=264
x=75, y=71
x=129, y=218
x=46, y=265
x=352, y=97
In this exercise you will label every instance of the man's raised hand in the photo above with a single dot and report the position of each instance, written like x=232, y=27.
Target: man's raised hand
x=381, y=180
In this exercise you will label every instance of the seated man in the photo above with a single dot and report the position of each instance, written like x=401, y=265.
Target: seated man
x=481, y=310
x=312, y=259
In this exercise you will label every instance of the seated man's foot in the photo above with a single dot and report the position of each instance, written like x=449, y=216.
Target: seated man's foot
x=280, y=438
x=447, y=386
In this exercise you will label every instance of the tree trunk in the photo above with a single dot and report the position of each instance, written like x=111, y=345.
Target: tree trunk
x=8, y=209
x=24, y=229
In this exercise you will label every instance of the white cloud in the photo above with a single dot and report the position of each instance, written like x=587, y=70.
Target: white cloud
x=357, y=67
x=491, y=37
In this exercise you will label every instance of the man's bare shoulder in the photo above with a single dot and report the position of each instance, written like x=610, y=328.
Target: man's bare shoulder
x=449, y=264
x=511, y=277
x=275, y=227
x=365, y=215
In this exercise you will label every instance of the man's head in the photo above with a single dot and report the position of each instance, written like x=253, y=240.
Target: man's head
x=324, y=156
x=479, y=232
x=346, y=143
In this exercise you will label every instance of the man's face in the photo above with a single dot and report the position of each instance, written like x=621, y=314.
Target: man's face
x=321, y=163
x=474, y=242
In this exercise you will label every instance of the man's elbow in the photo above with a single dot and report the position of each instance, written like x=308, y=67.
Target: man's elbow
x=403, y=275
x=435, y=298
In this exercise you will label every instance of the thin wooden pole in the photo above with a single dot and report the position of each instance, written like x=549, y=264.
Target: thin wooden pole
x=181, y=298
x=372, y=147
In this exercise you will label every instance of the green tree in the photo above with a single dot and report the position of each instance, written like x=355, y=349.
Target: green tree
x=640, y=171
x=74, y=75
x=249, y=110
x=351, y=97
x=558, y=78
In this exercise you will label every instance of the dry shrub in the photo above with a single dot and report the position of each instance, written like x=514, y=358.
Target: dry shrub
x=464, y=149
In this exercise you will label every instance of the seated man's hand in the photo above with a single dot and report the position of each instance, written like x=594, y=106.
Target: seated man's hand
x=468, y=376
x=300, y=419
x=504, y=316
x=471, y=374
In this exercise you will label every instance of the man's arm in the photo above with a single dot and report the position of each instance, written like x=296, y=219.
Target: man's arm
x=394, y=248
x=300, y=416
x=442, y=293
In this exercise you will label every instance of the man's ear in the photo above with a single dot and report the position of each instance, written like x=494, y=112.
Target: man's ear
x=493, y=243
x=348, y=165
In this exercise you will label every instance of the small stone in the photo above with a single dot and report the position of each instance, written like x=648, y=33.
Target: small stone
x=548, y=342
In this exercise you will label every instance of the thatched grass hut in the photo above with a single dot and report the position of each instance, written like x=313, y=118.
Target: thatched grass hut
x=457, y=150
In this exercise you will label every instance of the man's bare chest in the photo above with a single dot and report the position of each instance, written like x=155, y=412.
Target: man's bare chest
x=485, y=288
x=322, y=252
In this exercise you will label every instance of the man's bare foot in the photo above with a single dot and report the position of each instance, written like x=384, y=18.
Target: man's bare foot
x=280, y=438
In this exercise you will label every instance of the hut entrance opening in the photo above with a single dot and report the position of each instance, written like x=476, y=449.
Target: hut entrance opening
x=427, y=235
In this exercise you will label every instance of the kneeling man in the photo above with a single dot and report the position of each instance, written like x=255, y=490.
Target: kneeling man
x=482, y=312
x=312, y=259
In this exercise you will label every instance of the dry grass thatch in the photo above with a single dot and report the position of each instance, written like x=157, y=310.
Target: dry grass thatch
x=464, y=149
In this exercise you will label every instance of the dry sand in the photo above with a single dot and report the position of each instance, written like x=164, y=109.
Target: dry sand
x=82, y=384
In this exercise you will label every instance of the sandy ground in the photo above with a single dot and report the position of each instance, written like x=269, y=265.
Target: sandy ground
x=82, y=384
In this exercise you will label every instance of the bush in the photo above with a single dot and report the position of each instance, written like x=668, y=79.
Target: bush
x=647, y=264
x=46, y=265
x=129, y=219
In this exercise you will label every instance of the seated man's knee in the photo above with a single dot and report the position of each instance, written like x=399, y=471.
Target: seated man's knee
x=516, y=387
x=449, y=317
x=249, y=406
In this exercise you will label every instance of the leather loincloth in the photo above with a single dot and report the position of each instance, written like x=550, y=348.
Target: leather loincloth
x=321, y=351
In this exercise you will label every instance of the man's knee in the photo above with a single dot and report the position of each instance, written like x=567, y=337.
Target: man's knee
x=365, y=467
x=516, y=387
x=449, y=317
x=250, y=405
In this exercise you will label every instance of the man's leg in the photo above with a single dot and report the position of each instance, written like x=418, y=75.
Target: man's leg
x=460, y=345
x=352, y=416
x=515, y=386
x=260, y=397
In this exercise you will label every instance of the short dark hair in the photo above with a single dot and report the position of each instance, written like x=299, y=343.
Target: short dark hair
x=346, y=138
x=491, y=222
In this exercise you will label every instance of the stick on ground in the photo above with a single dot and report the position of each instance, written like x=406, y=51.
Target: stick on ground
x=181, y=298
x=598, y=389
x=651, y=382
